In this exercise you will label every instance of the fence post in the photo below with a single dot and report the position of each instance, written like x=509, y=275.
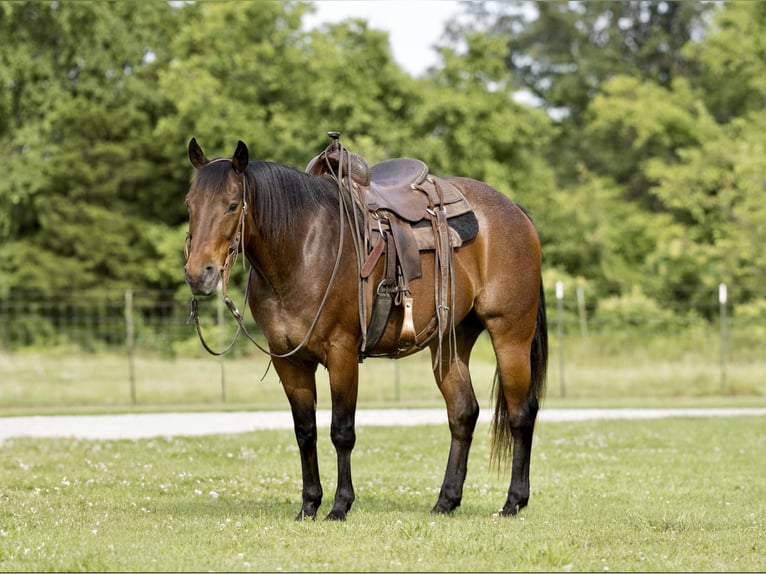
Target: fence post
x=583, y=318
x=722, y=300
x=130, y=343
x=560, y=321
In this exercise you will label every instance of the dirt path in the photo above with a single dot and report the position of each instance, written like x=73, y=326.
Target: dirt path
x=129, y=426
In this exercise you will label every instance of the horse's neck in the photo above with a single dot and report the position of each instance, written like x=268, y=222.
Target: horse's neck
x=308, y=257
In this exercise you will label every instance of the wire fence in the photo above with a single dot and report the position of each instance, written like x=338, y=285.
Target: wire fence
x=146, y=337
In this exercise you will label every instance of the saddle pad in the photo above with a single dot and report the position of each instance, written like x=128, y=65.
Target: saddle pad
x=463, y=228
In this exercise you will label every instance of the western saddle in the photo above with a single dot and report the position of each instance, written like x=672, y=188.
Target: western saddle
x=406, y=210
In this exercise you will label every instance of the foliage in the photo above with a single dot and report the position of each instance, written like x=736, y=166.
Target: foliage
x=81, y=179
x=659, y=151
x=563, y=52
x=732, y=61
x=646, y=173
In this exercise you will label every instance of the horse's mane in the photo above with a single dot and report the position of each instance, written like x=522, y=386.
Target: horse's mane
x=281, y=195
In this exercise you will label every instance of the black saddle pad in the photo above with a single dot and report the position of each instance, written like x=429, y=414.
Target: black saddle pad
x=466, y=225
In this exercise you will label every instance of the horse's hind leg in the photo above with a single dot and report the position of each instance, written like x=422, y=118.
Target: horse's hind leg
x=515, y=414
x=454, y=382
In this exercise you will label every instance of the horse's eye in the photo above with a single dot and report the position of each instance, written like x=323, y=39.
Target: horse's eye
x=232, y=208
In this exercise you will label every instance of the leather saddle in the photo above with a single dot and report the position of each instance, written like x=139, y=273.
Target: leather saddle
x=408, y=210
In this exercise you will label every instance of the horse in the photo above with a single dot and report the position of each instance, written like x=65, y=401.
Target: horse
x=303, y=275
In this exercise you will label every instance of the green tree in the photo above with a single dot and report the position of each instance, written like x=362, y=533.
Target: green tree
x=632, y=121
x=78, y=204
x=716, y=191
x=468, y=124
x=563, y=51
x=731, y=62
x=287, y=88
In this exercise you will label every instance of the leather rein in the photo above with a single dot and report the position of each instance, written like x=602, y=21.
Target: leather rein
x=236, y=246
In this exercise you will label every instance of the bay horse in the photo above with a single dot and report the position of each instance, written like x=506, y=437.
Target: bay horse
x=301, y=289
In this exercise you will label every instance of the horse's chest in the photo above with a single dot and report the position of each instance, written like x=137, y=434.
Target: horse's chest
x=284, y=323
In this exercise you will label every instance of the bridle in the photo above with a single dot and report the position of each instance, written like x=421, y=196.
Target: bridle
x=237, y=245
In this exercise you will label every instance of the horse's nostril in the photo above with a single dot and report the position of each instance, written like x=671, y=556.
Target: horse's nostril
x=209, y=268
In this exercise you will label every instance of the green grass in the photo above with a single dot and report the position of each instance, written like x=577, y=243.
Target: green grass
x=608, y=371
x=665, y=495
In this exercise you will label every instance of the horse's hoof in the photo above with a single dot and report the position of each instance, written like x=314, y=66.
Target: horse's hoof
x=509, y=511
x=335, y=515
x=304, y=516
x=512, y=508
x=441, y=508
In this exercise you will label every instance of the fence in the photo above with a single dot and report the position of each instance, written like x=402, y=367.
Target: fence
x=128, y=347
x=639, y=314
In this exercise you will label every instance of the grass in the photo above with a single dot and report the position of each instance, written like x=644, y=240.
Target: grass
x=605, y=372
x=665, y=495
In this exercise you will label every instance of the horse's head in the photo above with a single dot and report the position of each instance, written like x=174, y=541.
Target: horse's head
x=216, y=209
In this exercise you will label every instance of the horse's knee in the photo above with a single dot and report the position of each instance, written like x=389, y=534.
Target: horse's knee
x=306, y=435
x=343, y=436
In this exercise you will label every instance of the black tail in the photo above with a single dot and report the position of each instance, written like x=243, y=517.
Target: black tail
x=502, y=440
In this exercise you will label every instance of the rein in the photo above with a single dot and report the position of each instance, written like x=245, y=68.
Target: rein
x=237, y=245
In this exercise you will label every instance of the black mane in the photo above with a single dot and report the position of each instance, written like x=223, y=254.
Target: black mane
x=281, y=195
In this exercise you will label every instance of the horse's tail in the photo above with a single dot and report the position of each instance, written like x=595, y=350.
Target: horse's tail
x=502, y=440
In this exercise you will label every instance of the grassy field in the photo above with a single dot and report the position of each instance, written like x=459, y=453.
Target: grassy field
x=606, y=372
x=665, y=495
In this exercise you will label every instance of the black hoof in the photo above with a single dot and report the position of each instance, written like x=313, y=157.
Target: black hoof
x=336, y=515
x=443, y=508
x=303, y=516
x=512, y=508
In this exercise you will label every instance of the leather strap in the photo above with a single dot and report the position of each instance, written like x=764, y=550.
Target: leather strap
x=372, y=258
x=384, y=300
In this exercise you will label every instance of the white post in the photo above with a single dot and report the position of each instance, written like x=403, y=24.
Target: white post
x=723, y=297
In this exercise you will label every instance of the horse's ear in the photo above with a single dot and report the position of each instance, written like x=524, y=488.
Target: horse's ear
x=241, y=157
x=196, y=155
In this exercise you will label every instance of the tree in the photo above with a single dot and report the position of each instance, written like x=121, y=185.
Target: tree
x=632, y=121
x=80, y=111
x=716, y=191
x=564, y=51
x=731, y=62
x=284, y=88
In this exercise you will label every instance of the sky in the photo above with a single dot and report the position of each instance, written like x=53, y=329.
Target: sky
x=414, y=26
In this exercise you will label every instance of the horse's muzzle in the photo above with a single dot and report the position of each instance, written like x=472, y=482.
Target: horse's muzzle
x=205, y=282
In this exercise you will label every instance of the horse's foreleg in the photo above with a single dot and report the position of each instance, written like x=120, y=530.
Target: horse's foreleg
x=300, y=387
x=454, y=382
x=344, y=380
